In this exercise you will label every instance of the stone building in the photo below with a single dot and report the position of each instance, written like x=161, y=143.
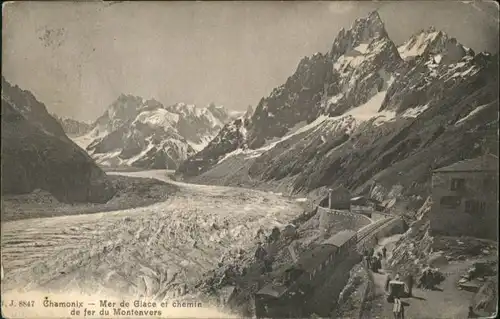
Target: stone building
x=365, y=205
x=338, y=198
x=465, y=198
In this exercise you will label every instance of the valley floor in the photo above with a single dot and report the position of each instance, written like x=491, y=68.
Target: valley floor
x=447, y=301
x=132, y=192
x=144, y=251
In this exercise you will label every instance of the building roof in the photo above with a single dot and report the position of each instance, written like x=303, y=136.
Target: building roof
x=341, y=190
x=272, y=290
x=364, y=199
x=340, y=238
x=357, y=198
x=484, y=163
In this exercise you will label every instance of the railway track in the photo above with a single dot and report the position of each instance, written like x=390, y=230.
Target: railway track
x=367, y=231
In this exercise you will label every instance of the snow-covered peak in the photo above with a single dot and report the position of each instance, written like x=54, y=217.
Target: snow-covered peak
x=145, y=133
x=371, y=24
x=249, y=112
x=363, y=31
x=219, y=111
x=214, y=116
x=124, y=106
x=185, y=109
x=418, y=43
x=430, y=43
x=158, y=118
x=152, y=104
x=236, y=114
x=123, y=110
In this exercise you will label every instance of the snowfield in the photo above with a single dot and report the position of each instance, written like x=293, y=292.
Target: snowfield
x=144, y=252
x=417, y=44
x=346, y=122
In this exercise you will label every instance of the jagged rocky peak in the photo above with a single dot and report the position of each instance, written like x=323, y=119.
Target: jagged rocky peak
x=370, y=27
x=122, y=110
x=27, y=105
x=306, y=61
x=249, y=112
x=124, y=105
x=360, y=114
x=147, y=134
x=73, y=127
x=62, y=168
x=219, y=111
x=363, y=31
x=184, y=109
x=152, y=104
x=485, y=58
x=433, y=44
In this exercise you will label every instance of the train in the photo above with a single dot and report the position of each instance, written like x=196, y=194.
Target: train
x=313, y=283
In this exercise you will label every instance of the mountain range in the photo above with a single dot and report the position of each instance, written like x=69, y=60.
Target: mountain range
x=146, y=134
x=73, y=127
x=37, y=154
x=367, y=110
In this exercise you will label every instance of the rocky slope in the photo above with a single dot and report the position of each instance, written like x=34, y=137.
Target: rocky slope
x=367, y=110
x=147, y=134
x=73, y=127
x=36, y=154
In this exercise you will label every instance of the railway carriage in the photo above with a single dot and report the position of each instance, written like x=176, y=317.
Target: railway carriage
x=309, y=286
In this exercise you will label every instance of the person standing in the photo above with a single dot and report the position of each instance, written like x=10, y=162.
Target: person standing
x=369, y=261
x=260, y=253
x=387, y=281
x=410, y=285
x=384, y=252
x=397, y=308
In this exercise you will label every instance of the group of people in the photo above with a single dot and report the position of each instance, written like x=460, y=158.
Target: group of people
x=430, y=278
x=372, y=261
x=262, y=256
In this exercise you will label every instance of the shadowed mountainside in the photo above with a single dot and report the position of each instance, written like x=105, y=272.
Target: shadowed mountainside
x=36, y=154
x=367, y=110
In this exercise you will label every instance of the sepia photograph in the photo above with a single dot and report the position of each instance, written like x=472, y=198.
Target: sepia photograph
x=250, y=159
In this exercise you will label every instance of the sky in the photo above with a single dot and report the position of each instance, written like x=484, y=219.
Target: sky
x=77, y=57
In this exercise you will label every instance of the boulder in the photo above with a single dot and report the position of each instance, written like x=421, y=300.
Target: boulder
x=290, y=231
x=486, y=298
x=437, y=259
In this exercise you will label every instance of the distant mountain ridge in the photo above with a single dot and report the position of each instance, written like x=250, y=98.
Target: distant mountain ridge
x=73, y=127
x=37, y=154
x=146, y=134
x=366, y=110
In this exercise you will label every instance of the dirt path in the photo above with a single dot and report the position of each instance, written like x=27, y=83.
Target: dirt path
x=446, y=302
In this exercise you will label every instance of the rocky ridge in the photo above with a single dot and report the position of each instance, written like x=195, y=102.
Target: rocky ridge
x=367, y=110
x=37, y=154
x=73, y=127
x=146, y=134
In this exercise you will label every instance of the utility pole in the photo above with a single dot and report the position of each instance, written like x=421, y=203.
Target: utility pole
x=330, y=191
